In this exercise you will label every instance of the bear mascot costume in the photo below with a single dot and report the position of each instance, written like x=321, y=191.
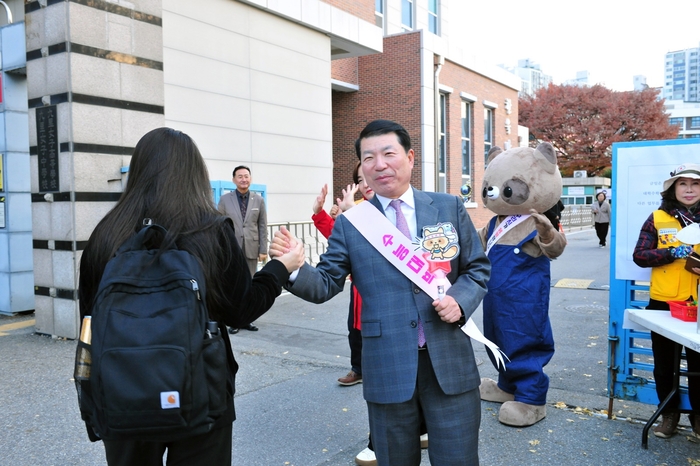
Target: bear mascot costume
x=519, y=184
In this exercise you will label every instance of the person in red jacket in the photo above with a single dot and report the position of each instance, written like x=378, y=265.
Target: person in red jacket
x=324, y=224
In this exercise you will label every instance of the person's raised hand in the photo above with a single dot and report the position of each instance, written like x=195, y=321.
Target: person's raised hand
x=320, y=199
x=335, y=211
x=348, y=200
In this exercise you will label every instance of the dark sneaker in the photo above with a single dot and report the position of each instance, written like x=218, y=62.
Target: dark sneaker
x=351, y=379
x=667, y=427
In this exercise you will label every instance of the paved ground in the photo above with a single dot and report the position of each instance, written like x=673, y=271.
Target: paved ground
x=291, y=412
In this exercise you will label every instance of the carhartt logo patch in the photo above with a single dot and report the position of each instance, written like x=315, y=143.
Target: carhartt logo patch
x=169, y=400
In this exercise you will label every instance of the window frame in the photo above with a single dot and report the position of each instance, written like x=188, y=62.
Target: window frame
x=488, y=122
x=466, y=109
x=442, y=145
x=434, y=15
x=412, y=14
x=379, y=15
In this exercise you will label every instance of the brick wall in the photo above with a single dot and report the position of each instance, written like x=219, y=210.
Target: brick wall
x=389, y=89
x=345, y=70
x=363, y=9
x=463, y=80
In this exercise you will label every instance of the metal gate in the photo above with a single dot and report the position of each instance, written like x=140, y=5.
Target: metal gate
x=639, y=169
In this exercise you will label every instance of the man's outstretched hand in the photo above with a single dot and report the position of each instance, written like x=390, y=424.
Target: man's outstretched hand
x=287, y=249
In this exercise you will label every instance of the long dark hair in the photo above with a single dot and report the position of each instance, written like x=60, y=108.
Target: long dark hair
x=168, y=183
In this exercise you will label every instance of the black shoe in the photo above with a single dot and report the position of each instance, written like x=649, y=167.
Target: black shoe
x=251, y=327
x=233, y=331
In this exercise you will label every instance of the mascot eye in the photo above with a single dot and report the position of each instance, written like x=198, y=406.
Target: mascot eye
x=485, y=193
x=515, y=191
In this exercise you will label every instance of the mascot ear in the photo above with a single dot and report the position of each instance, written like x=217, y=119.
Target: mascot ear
x=546, y=150
x=493, y=152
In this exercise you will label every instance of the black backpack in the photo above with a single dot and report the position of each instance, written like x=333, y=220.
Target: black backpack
x=158, y=368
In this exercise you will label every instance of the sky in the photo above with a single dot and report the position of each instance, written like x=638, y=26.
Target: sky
x=614, y=40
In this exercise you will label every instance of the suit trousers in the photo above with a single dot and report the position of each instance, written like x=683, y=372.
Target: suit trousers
x=452, y=422
x=210, y=449
x=252, y=265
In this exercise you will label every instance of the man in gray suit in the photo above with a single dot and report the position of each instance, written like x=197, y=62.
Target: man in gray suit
x=247, y=210
x=415, y=357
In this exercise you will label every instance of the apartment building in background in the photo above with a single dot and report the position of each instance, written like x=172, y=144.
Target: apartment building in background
x=283, y=86
x=681, y=92
x=531, y=75
x=681, y=70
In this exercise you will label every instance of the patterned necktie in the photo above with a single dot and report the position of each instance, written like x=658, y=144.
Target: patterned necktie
x=402, y=226
x=242, y=202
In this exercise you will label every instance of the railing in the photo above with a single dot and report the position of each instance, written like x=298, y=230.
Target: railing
x=576, y=217
x=573, y=217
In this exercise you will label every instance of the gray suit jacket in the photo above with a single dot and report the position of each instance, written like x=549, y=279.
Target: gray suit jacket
x=391, y=303
x=251, y=232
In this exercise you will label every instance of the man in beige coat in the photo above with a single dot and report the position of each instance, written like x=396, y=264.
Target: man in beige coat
x=247, y=210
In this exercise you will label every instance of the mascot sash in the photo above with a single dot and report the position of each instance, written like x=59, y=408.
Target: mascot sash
x=397, y=249
x=507, y=223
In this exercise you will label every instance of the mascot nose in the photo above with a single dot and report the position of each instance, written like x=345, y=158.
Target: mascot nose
x=492, y=192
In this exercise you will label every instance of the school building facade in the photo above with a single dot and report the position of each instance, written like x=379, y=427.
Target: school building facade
x=283, y=86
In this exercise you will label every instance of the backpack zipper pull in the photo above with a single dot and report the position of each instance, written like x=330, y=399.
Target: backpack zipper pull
x=195, y=287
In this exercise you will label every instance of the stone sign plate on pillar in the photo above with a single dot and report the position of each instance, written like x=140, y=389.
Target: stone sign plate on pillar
x=47, y=148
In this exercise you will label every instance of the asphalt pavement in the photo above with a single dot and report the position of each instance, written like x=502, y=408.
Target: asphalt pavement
x=292, y=412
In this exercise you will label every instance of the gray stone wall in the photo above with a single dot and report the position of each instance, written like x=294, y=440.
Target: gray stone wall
x=101, y=65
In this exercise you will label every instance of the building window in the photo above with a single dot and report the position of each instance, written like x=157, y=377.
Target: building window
x=676, y=121
x=695, y=122
x=577, y=200
x=488, y=132
x=407, y=14
x=442, y=149
x=379, y=13
x=466, y=142
x=433, y=16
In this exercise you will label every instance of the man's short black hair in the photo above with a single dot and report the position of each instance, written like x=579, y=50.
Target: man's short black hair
x=380, y=127
x=240, y=167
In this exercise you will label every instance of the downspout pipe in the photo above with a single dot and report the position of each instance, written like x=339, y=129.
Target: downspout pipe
x=7, y=11
x=439, y=61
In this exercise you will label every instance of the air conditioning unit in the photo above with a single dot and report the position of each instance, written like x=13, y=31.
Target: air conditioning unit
x=580, y=174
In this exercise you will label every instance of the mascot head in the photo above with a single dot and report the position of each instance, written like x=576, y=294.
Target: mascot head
x=520, y=179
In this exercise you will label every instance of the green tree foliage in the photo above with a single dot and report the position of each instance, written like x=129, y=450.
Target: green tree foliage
x=582, y=123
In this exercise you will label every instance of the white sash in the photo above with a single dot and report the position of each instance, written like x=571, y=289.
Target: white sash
x=503, y=228
x=399, y=250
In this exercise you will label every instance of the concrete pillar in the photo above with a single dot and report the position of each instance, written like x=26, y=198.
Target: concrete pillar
x=95, y=86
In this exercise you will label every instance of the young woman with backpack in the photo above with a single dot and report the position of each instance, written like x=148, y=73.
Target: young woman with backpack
x=168, y=183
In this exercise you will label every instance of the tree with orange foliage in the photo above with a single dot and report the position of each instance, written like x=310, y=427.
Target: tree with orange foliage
x=582, y=123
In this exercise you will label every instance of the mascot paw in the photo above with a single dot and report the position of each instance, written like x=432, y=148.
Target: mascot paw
x=490, y=392
x=517, y=414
